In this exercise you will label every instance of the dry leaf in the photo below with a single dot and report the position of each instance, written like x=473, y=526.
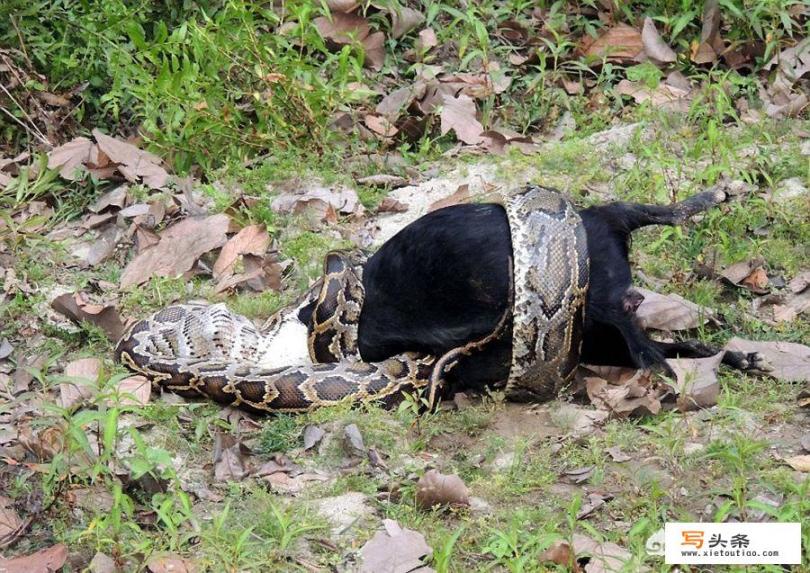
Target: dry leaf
x=617, y=455
x=102, y=563
x=800, y=282
x=799, y=463
x=391, y=205
x=84, y=373
x=341, y=199
x=178, y=250
x=353, y=440
x=134, y=164
x=394, y=550
x=427, y=40
x=229, y=463
x=260, y=274
x=654, y=46
x=581, y=421
x=605, y=557
x=134, y=391
x=342, y=5
x=670, y=312
x=458, y=115
x=591, y=503
x=404, y=19
x=398, y=101
x=10, y=521
x=435, y=488
x=312, y=436
x=380, y=125
x=383, y=180
x=252, y=240
x=171, y=564
x=104, y=246
x=374, y=47
x=78, y=308
x=46, y=560
x=561, y=553
x=635, y=397
x=789, y=361
x=698, y=386
x=70, y=158
x=711, y=45
x=620, y=43
x=461, y=195
x=664, y=96
x=342, y=28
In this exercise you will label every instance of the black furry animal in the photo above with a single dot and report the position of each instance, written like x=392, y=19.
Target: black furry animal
x=443, y=281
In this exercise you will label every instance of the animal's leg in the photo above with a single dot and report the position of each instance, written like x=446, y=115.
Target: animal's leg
x=638, y=215
x=696, y=349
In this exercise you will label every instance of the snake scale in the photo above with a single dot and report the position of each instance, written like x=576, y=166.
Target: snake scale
x=206, y=350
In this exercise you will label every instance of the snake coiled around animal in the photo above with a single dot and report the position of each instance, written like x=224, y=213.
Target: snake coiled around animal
x=206, y=350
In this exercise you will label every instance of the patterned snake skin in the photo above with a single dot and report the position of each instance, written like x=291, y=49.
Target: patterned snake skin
x=206, y=350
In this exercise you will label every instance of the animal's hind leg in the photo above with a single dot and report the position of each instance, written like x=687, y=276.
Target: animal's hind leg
x=696, y=349
x=638, y=215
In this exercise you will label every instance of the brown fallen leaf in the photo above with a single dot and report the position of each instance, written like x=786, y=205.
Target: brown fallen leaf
x=134, y=164
x=747, y=274
x=171, y=564
x=635, y=397
x=71, y=158
x=617, y=455
x=461, y=195
x=45, y=560
x=605, y=557
x=799, y=463
x=178, y=250
x=800, y=282
x=579, y=475
x=134, y=391
x=394, y=550
x=374, y=48
x=791, y=64
x=711, y=46
x=459, y=115
x=398, y=101
x=426, y=41
x=312, y=436
x=437, y=489
x=353, y=440
x=380, y=125
x=561, y=553
x=10, y=521
x=102, y=563
x=580, y=421
x=114, y=200
x=619, y=43
x=78, y=308
x=664, y=96
x=404, y=19
x=697, y=383
x=789, y=361
x=670, y=312
x=229, y=461
x=104, y=246
x=654, y=47
x=342, y=199
x=383, y=180
x=342, y=5
x=591, y=503
x=391, y=205
x=252, y=240
x=342, y=28
x=82, y=386
x=260, y=274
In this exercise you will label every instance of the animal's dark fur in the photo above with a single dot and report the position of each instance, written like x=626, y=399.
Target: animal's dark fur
x=444, y=280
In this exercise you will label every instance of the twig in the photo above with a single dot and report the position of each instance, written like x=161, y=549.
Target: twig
x=33, y=129
x=22, y=44
x=32, y=132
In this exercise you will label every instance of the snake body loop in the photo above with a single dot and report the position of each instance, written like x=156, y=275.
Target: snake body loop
x=206, y=350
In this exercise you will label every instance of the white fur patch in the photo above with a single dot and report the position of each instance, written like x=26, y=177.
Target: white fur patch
x=288, y=346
